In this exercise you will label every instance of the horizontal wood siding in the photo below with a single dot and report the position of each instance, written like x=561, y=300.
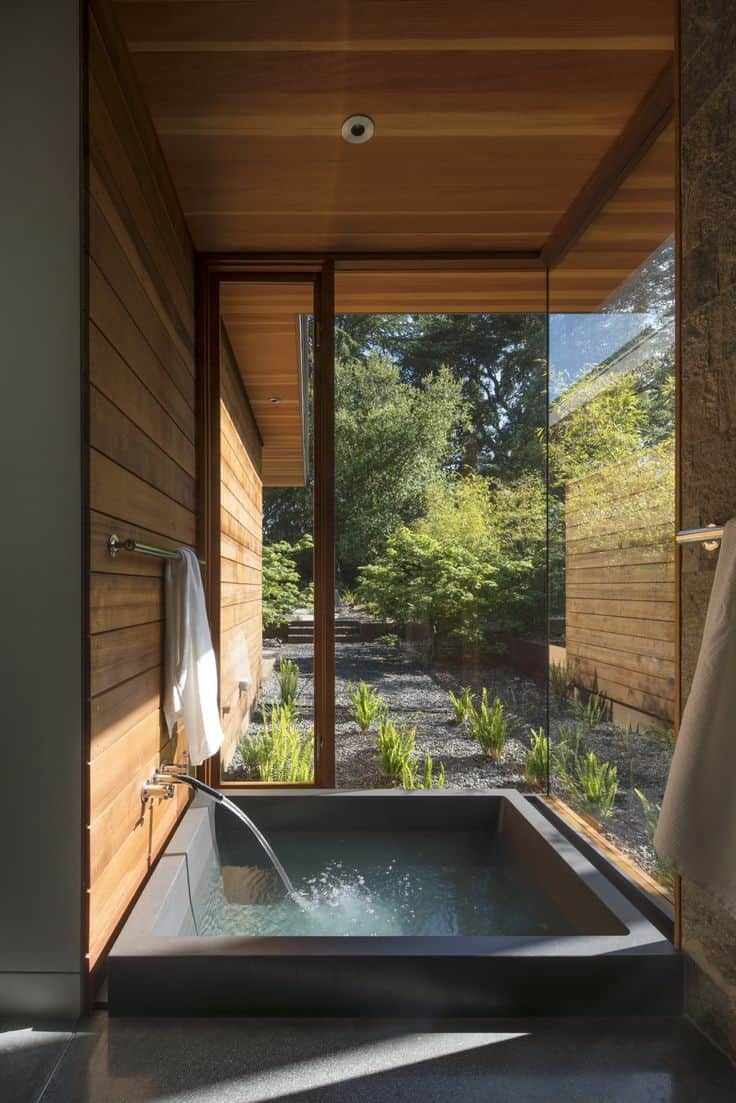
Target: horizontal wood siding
x=241, y=511
x=620, y=582
x=142, y=468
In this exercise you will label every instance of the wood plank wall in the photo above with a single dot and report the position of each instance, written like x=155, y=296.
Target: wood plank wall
x=241, y=543
x=620, y=582
x=142, y=466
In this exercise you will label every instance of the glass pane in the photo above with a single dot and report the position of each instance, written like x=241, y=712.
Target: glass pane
x=441, y=543
x=612, y=513
x=267, y=618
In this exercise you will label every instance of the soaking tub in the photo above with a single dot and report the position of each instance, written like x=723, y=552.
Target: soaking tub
x=421, y=903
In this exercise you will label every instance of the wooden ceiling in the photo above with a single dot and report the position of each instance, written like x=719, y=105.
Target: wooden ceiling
x=638, y=217
x=521, y=288
x=261, y=320
x=491, y=115
x=528, y=129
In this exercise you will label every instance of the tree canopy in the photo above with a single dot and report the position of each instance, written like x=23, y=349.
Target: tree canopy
x=392, y=440
x=499, y=363
x=454, y=568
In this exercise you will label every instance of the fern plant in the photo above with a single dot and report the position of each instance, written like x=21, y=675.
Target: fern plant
x=595, y=709
x=462, y=704
x=567, y=750
x=536, y=768
x=593, y=784
x=396, y=747
x=280, y=751
x=411, y=778
x=598, y=782
x=488, y=724
x=570, y=741
x=367, y=705
x=559, y=680
x=288, y=681
x=665, y=872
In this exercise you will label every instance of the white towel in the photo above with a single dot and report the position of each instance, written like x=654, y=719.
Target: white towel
x=696, y=832
x=190, y=691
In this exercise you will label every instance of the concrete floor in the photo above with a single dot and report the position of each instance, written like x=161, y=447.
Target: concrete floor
x=305, y=1061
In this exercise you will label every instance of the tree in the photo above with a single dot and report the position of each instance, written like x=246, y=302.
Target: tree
x=392, y=440
x=504, y=523
x=499, y=361
x=359, y=335
x=455, y=569
x=519, y=517
x=282, y=581
x=421, y=578
x=606, y=428
x=288, y=512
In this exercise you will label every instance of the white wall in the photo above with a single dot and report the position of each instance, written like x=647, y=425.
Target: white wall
x=40, y=506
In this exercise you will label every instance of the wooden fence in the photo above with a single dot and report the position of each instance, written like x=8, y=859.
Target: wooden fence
x=620, y=582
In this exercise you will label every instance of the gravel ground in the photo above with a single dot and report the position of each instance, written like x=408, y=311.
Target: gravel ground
x=417, y=695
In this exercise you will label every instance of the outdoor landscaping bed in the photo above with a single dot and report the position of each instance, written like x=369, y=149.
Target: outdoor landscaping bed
x=417, y=696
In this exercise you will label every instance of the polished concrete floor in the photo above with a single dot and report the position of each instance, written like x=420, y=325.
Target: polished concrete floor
x=307, y=1060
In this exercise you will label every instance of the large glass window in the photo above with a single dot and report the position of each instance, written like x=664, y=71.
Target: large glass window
x=612, y=514
x=504, y=513
x=441, y=548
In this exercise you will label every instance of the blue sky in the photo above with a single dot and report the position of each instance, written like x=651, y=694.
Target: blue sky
x=578, y=342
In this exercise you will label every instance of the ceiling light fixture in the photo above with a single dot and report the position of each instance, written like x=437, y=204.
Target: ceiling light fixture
x=274, y=400
x=358, y=129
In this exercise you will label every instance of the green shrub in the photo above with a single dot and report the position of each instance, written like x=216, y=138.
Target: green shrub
x=282, y=592
x=367, y=705
x=462, y=705
x=665, y=872
x=593, y=784
x=536, y=767
x=288, y=681
x=488, y=724
x=280, y=751
x=396, y=747
x=306, y=597
x=389, y=640
x=411, y=778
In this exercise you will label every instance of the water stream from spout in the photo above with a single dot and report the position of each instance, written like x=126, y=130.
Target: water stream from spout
x=234, y=810
x=286, y=881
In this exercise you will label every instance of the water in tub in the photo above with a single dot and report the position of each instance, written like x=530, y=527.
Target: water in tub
x=376, y=883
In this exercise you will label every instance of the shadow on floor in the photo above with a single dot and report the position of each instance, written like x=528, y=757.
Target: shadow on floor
x=330, y=1061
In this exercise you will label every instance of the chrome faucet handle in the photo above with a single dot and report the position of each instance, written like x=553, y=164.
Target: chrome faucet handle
x=173, y=768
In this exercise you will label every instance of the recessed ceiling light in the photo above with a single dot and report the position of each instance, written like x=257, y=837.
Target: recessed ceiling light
x=358, y=128
x=274, y=400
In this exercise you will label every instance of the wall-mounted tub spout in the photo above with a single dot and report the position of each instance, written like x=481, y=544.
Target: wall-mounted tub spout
x=173, y=774
x=157, y=790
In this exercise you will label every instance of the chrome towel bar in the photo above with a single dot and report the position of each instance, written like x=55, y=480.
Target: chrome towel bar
x=711, y=534
x=116, y=545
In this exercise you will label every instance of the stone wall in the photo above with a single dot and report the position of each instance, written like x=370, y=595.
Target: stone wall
x=708, y=420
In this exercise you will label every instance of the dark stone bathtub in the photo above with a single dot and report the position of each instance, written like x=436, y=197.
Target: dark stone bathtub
x=592, y=950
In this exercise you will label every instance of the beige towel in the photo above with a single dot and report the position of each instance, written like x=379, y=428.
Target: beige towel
x=697, y=827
